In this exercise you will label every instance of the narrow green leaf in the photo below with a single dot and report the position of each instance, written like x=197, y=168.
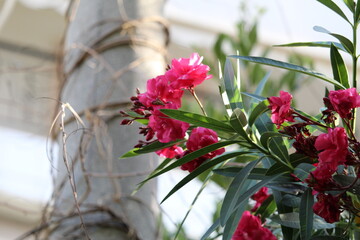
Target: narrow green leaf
x=339, y=68
x=234, y=191
x=233, y=221
x=231, y=86
x=260, y=87
x=350, y=4
x=330, y=4
x=327, y=237
x=295, y=159
x=291, y=200
x=254, y=96
x=260, y=108
x=198, y=120
x=251, y=191
x=202, y=168
x=357, y=12
x=289, y=66
x=211, y=229
x=288, y=187
x=348, y=45
x=302, y=170
x=256, y=174
x=306, y=214
x=267, y=208
x=238, y=122
x=292, y=220
x=266, y=137
x=191, y=156
x=326, y=44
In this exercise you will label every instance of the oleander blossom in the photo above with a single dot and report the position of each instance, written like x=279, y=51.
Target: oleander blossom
x=187, y=72
x=250, y=228
x=327, y=207
x=199, y=138
x=260, y=196
x=170, y=152
x=167, y=129
x=280, y=108
x=343, y=101
x=334, y=148
x=160, y=95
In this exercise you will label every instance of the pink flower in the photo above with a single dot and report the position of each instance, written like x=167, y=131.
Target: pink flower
x=167, y=129
x=199, y=138
x=327, y=207
x=280, y=108
x=334, y=147
x=159, y=94
x=187, y=72
x=170, y=152
x=260, y=197
x=250, y=228
x=343, y=101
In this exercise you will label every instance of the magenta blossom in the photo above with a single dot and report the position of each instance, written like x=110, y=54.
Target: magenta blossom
x=334, y=147
x=170, y=152
x=343, y=101
x=160, y=95
x=250, y=228
x=280, y=108
x=327, y=207
x=167, y=129
x=199, y=138
x=260, y=196
x=187, y=72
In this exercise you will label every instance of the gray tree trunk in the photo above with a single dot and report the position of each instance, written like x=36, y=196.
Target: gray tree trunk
x=111, y=48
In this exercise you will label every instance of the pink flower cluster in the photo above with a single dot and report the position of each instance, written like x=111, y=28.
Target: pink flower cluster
x=328, y=150
x=165, y=92
x=250, y=228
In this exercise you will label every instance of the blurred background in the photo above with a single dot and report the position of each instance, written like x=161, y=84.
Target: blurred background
x=31, y=32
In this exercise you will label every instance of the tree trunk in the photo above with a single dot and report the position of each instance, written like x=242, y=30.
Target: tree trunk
x=111, y=48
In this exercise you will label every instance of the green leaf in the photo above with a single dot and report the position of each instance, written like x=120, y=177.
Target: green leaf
x=295, y=159
x=198, y=120
x=233, y=221
x=267, y=208
x=254, y=96
x=234, y=191
x=260, y=87
x=191, y=156
x=202, y=168
x=339, y=68
x=330, y=4
x=287, y=187
x=302, y=170
x=357, y=12
x=350, y=4
x=289, y=66
x=348, y=45
x=292, y=220
x=232, y=86
x=211, y=229
x=238, y=122
x=327, y=237
x=266, y=137
x=291, y=200
x=260, y=108
x=326, y=44
x=149, y=148
x=306, y=214
x=256, y=174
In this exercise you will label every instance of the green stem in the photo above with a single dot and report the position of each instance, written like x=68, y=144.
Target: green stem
x=354, y=70
x=192, y=91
